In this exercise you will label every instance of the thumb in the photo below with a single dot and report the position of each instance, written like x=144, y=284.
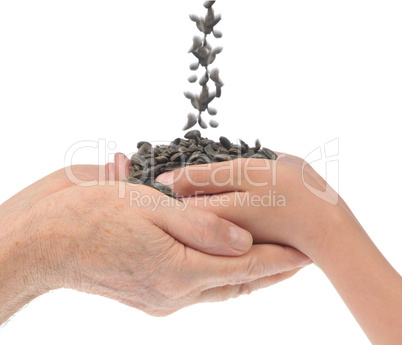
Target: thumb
x=204, y=231
x=206, y=178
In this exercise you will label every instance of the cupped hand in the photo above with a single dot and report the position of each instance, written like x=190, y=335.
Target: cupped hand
x=110, y=244
x=283, y=201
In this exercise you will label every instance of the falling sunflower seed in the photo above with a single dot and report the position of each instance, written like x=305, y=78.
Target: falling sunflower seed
x=208, y=4
x=194, y=66
x=189, y=95
x=218, y=91
x=214, y=123
x=201, y=25
x=202, y=123
x=191, y=121
x=211, y=96
x=209, y=19
x=205, y=55
x=194, y=18
x=217, y=19
x=217, y=33
x=217, y=50
x=197, y=43
x=204, y=79
x=193, y=79
x=204, y=96
x=212, y=111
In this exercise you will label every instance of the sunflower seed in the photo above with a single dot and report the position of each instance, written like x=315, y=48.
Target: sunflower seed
x=257, y=144
x=217, y=50
x=194, y=18
x=269, y=154
x=208, y=4
x=193, y=148
x=138, y=175
x=257, y=155
x=136, y=161
x=211, y=96
x=193, y=134
x=214, y=123
x=209, y=19
x=162, y=159
x=243, y=144
x=142, y=143
x=222, y=150
x=201, y=25
x=222, y=157
x=225, y=143
x=211, y=58
x=234, y=151
x=191, y=121
x=202, y=123
x=204, y=80
x=185, y=143
x=189, y=95
x=206, y=142
x=218, y=91
x=145, y=148
x=209, y=150
x=194, y=66
x=176, y=157
x=212, y=111
x=217, y=34
x=133, y=180
x=162, y=188
x=204, y=96
x=192, y=79
x=203, y=158
x=217, y=19
x=173, y=166
x=197, y=43
x=177, y=140
x=214, y=75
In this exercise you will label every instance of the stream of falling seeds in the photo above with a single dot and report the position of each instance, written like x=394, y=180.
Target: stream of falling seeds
x=206, y=55
x=149, y=162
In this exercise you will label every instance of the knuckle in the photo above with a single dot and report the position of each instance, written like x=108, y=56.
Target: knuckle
x=253, y=271
x=208, y=231
x=244, y=289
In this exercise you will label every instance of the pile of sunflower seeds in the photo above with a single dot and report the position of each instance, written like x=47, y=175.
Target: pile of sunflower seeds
x=149, y=162
x=206, y=55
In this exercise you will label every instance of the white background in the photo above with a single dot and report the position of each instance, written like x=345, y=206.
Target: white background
x=297, y=74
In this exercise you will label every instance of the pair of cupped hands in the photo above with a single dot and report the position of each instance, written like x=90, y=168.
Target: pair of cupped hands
x=90, y=233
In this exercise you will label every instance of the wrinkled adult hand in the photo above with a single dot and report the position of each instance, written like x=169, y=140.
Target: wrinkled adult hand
x=90, y=238
x=128, y=253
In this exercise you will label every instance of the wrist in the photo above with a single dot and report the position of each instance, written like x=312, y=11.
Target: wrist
x=22, y=265
x=336, y=225
x=342, y=231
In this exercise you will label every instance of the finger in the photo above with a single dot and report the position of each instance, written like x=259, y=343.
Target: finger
x=234, y=175
x=110, y=172
x=261, y=261
x=122, y=166
x=204, y=231
x=226, y=292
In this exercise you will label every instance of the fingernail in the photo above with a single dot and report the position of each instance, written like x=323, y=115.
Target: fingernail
x=306, y=263
x=166, y=178
x=239, y=239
